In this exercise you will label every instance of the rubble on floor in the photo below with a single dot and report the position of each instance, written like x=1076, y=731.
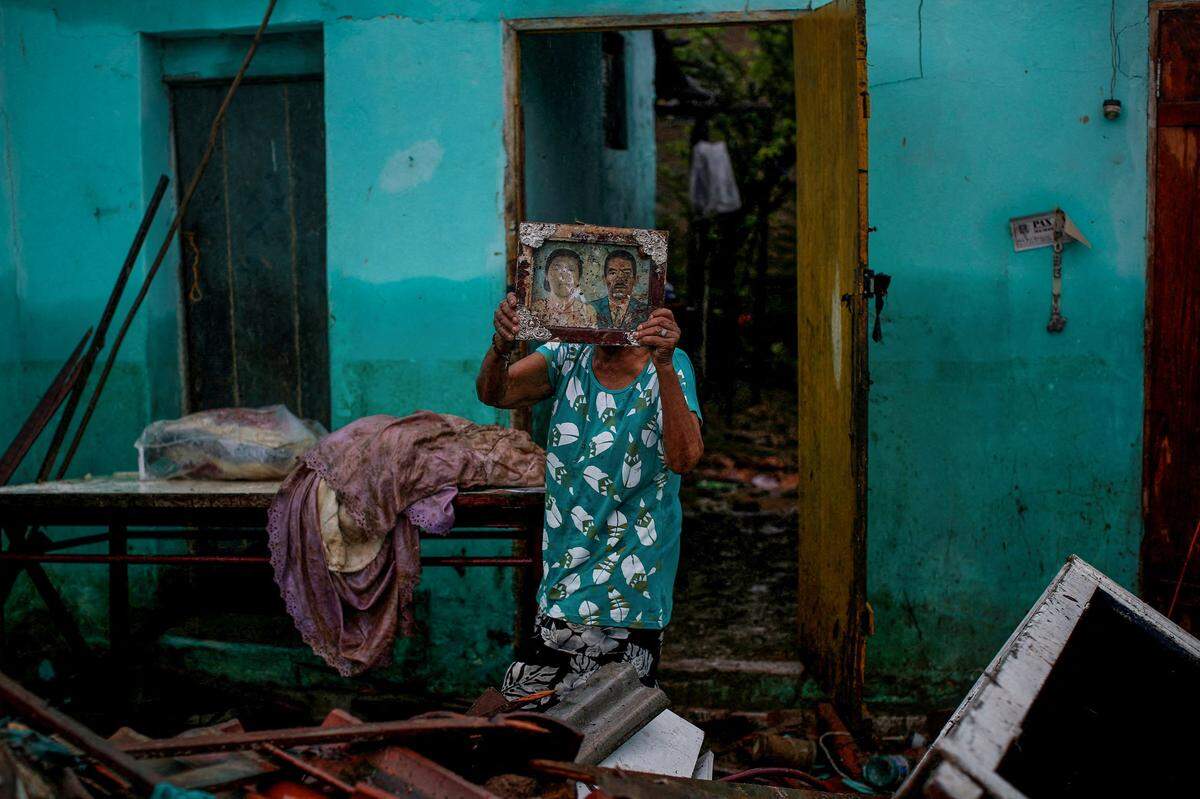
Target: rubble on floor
x=611, y=736
x=1088, y=665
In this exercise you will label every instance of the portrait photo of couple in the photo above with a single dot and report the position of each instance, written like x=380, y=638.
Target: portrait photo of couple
x=587, y=283
x=604, y=286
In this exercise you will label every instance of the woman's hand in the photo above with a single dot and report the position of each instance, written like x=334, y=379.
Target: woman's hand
x=505, y=322
x=661, y=334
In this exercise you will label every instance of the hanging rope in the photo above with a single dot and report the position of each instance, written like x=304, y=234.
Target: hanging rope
x=189, y=238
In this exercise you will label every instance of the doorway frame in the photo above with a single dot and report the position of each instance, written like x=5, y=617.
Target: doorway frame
x=846, y=689
x=514, y=126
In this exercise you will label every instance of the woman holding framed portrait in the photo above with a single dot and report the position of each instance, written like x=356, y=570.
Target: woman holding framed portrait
x=625, y=425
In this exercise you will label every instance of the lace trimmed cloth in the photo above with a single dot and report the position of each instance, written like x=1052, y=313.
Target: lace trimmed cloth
x=349, y=596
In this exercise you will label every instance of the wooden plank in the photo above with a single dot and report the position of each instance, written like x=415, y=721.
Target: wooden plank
x=1178, y=47
x=831, y=253
x=1180, y=114
x=305, y=108
x=602, y=22
x=514, y=184
x=266, y=361
x=1171, y=437
x=125, y=491
x=205, y=267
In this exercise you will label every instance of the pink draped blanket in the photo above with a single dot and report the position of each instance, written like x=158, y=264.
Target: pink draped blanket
x=380, y=466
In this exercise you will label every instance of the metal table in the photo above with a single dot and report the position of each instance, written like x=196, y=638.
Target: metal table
x=213, y=510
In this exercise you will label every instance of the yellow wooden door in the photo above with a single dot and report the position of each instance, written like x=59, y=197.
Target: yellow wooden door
x=831, y=178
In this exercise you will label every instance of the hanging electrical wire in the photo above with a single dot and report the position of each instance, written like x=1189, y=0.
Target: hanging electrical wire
x=1111, y=105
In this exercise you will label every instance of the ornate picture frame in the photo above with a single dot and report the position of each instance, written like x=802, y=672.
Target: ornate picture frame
x=588, y=284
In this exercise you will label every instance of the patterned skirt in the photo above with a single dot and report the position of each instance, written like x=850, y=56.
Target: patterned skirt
x=561, y=654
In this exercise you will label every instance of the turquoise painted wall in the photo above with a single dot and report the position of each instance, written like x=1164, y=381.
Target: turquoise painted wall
x=415, y=165
x=570, y=175
x=996, y=448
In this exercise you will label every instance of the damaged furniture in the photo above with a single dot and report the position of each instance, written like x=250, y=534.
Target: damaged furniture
x=1089, y=697
x=166, y=510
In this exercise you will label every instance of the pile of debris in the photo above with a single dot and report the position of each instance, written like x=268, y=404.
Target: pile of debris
x=609, y=737
x=816, y=750
x=1036, y=724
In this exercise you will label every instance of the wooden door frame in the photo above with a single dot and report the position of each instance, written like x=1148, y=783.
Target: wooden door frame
x=514, y=126
x=514, y=120
x=846, y=692
x=1156, y=8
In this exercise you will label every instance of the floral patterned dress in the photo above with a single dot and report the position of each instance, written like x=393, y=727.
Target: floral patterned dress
x=610, y=542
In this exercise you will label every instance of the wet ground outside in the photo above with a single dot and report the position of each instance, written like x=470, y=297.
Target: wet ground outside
x=735, y=595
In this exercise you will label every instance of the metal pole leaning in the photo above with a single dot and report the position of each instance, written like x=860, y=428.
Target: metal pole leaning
x=41, y=415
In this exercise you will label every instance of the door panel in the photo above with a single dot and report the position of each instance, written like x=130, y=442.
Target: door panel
x=1171, y=464
x=253, y=247
x=831, y=99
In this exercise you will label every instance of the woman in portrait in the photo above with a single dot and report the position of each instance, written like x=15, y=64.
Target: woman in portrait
x=563, y=304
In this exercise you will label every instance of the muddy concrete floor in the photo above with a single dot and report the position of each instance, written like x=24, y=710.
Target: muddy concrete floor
x=735, y=593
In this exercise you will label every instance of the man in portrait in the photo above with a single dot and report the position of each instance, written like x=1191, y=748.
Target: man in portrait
x=620, y=309
x=563, y=304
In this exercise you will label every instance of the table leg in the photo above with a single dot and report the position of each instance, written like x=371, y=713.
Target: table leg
x=8, y=571
x=529, y=577
x=6, y=581
x=36, y=541
x=118, y=594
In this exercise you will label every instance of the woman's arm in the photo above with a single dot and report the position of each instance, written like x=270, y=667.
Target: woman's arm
x=682, y=442
x=501, y=385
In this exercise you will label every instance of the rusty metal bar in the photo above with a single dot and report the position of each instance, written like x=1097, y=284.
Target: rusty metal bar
x=374, y=732
x=171, y=231
x=303, y=766
x=404, y=771
x=33, y=709
x=106, y=317
x=245, y=560
x=40, y=416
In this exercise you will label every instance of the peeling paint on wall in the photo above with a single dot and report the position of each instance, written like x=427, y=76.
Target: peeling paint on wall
x=411, y=167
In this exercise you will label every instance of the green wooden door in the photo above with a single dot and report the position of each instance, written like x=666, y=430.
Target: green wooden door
x=253, y=247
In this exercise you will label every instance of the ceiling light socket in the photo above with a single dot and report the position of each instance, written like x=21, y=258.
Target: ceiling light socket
x=1112, y=108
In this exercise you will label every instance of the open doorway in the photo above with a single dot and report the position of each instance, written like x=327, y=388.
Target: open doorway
x=607, y=121
x=725, y=141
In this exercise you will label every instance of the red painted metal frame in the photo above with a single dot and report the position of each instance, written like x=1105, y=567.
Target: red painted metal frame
x=485, y=515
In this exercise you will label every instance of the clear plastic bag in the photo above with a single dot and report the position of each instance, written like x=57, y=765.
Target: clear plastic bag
x=226, y=444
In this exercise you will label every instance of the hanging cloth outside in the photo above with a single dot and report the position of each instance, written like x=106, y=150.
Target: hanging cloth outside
x=713, y=188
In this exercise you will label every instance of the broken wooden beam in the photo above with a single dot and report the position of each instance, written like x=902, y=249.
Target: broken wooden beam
x=518, y=726
x=15, y=700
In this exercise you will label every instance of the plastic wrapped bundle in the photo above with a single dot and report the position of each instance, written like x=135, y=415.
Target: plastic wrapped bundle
x=226, y=444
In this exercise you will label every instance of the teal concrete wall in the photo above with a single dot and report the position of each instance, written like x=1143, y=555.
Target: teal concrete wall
x=569, y=173
x=415, y=166
x=996, y=448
